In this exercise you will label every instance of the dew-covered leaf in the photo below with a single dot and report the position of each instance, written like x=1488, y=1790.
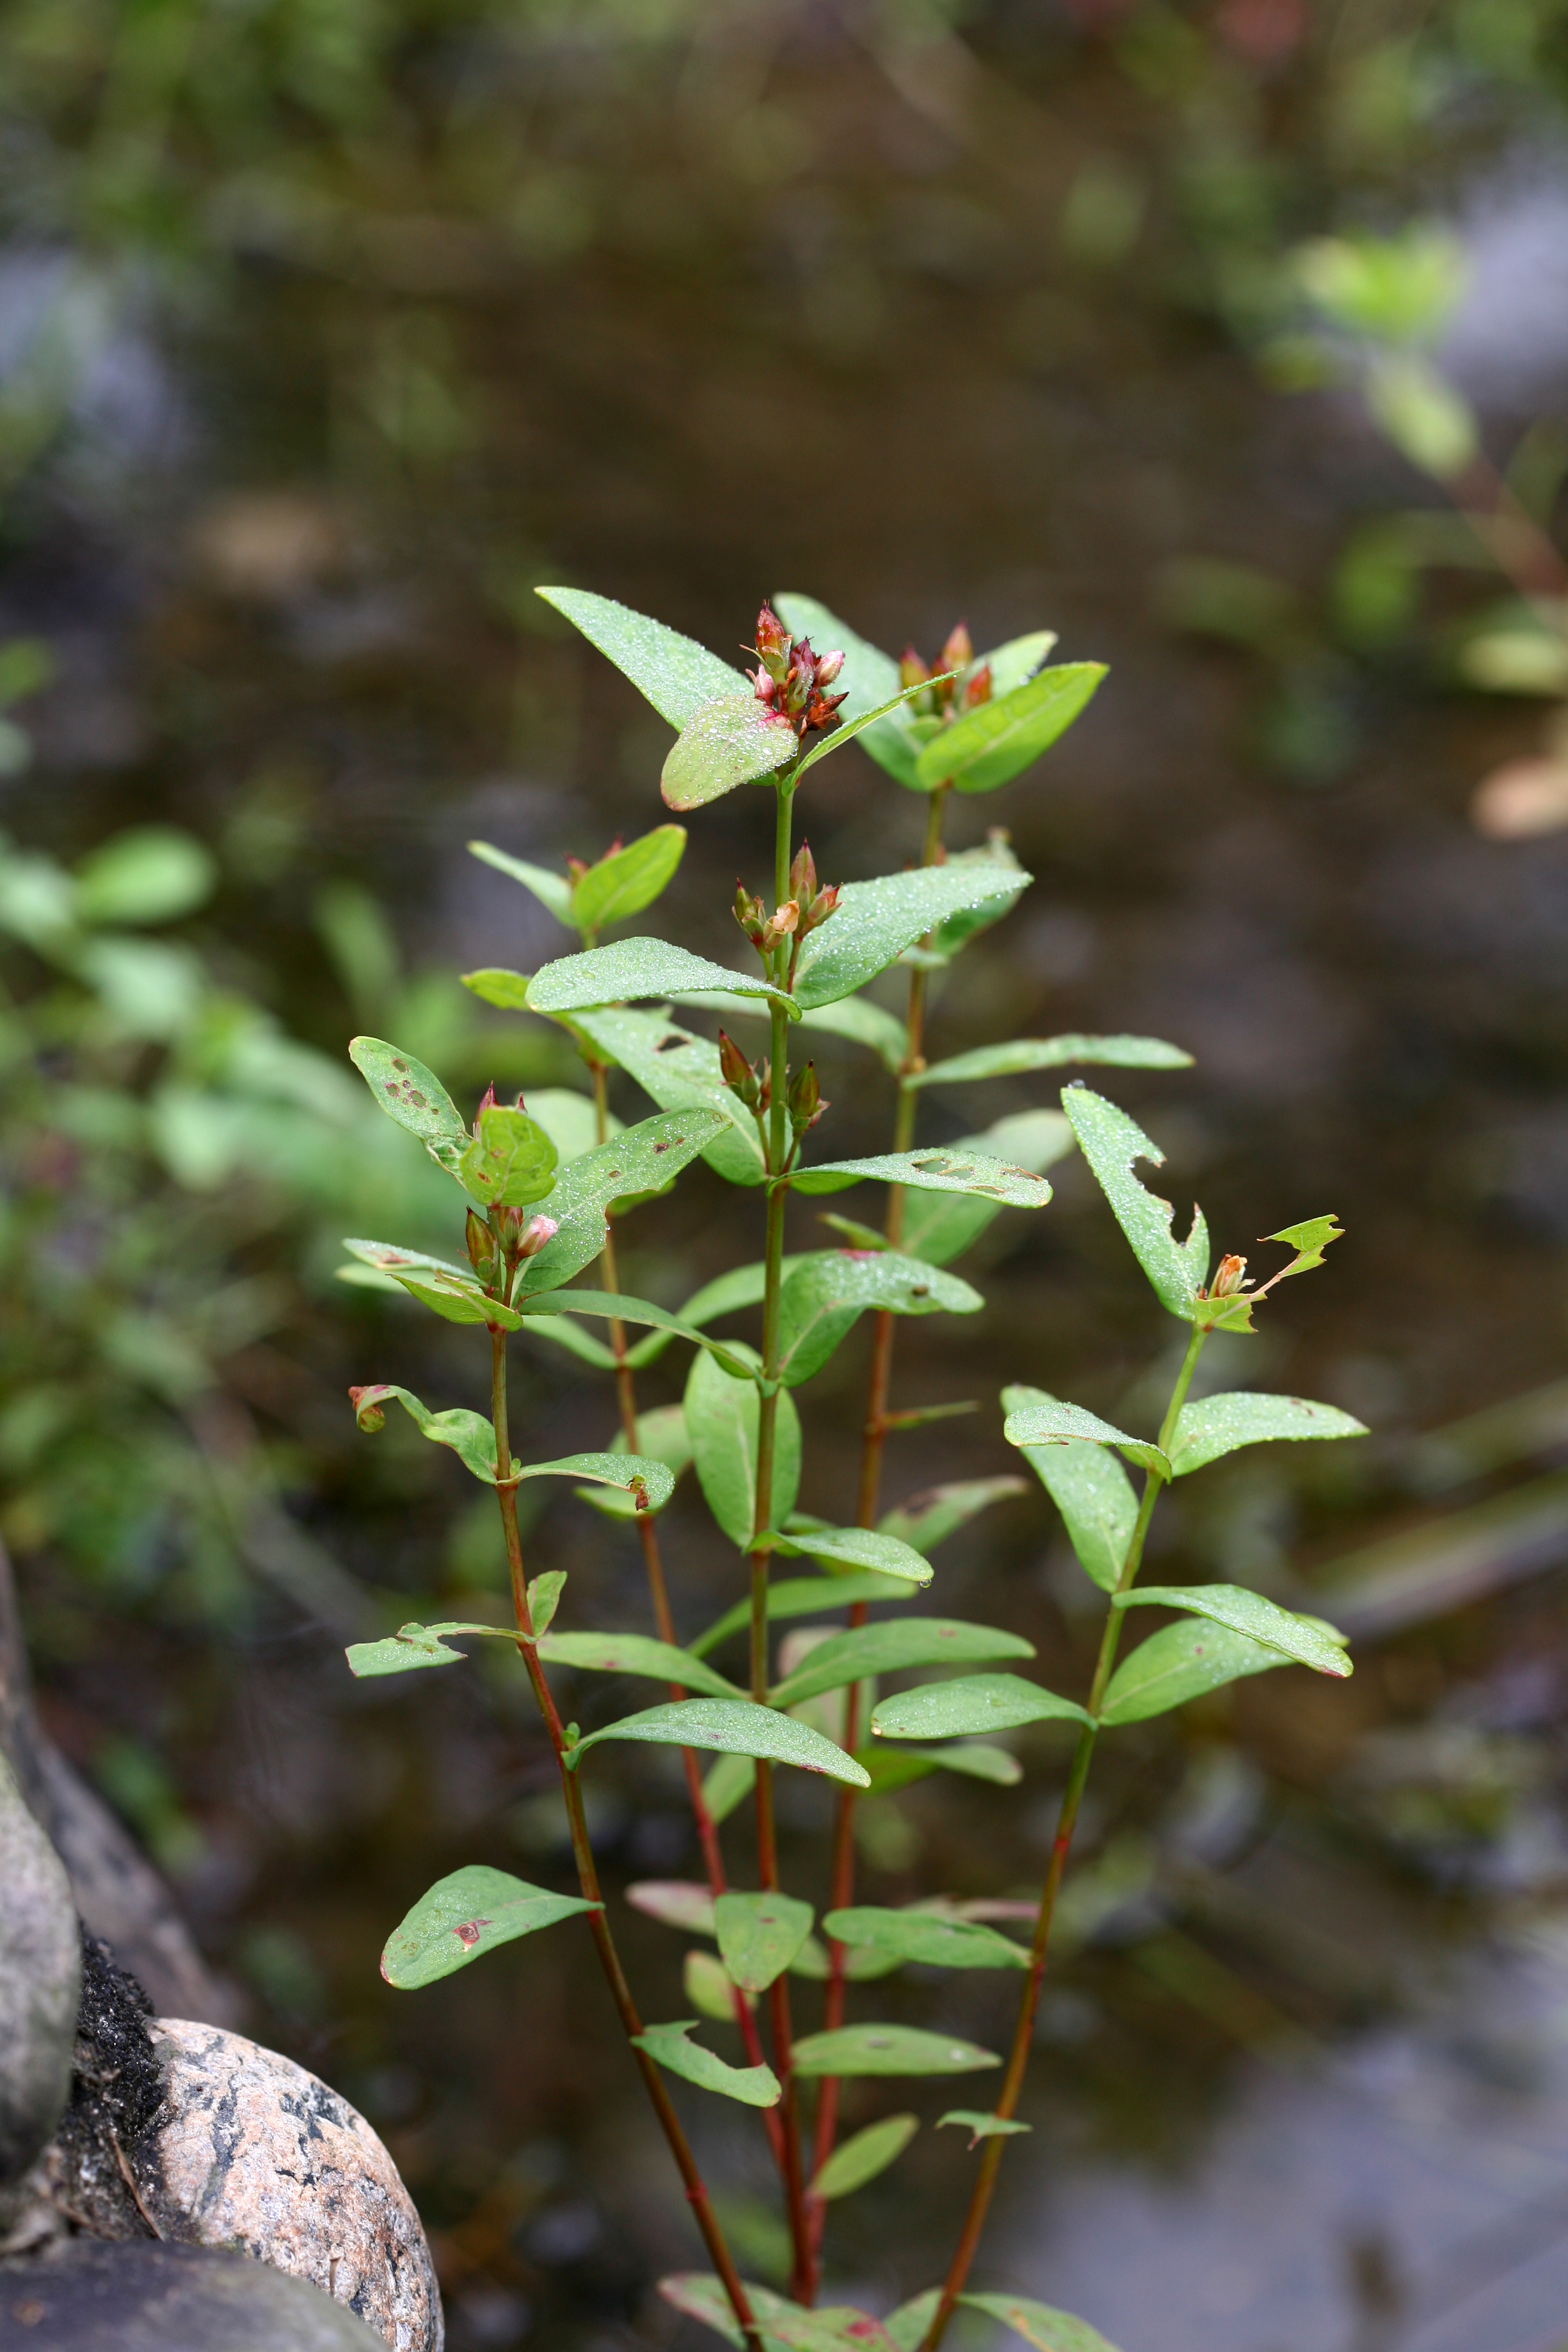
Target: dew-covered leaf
x=864, y=2155
x=677, y=674
x=989, y=745
x=854, y=1018
x=753, y=2086
x=926, y=1937
x=722, y=1419
x=467, y=1914
x=677, y=1069
x=452, y=1292
x=887, y=2050
x=1305, y=1639
x=891, y=1646
x=980, y=2125
x=1111, y=1142
x=805, y=1596
x=635, y=1654
x=612, y=1306
x=633, y=1473
x=952, y=1170
x=927, y=1518
x=469, y=1435
x=955, y=931
x=1049, y=1423
x=733, y=740
x=1089, y=1487
x=827, y=1293
x=939, y=1229
x=497, y=985
x=849, y=728
x=413, y=1096
x=1039, y=2323
x=1179, y=1662
x=875, y=921
x=759, y=1936
x=869, y=678
x=895, y=1767
x=552, y=890
x=979, y=1703
x=736, y=1728
x=627, y=880
x=851, y=1547
x=645, y=1158
x=511, y=1162
x=639, y=967
x=676, y=1902
x=1214, y=1425
x=1011, y=1061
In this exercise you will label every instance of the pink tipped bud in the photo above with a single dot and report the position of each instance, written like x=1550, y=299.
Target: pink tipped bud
x=912, y=671
x=487, y=1102
x=805, y=1104
x=959, y=650
x=803, y=875
x=482, y=1246
x=772, y=644
x=537, y=1232
x=977, y=688
x=762, y=685
x=828, y=667
x=576, y=867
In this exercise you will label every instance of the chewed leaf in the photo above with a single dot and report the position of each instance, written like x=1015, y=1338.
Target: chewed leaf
x=676, y=673
x=1111, y=1142
x=1216, y=1426
x=733, y=740
x=888, y=2050
x=1179, y=1662
x=635, y=1654
x=852, y=1548
x=736, y=1728
x=1305, y=1639
x=1039, y=2323
x=759, y=1936
x=1050, y=1422
x=875, y=921
x=926, y=1937
x=978, y=1702
x=414, y=1096
x=469, y=1435
x=995, y=741
x=467, y=1914
x=1025, y=1054
x=862, y=2157
x=980, y=2125
x=753, y=2086
x=627, y=880
x=1089, y=1488
x=1309, y=1240
x=633, y=967
x=954, y=1171
x=413, y=1646
x=891, y=1646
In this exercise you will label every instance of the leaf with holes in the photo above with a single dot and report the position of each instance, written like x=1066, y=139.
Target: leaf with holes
x=759, y=1936
x=465, y=1914
x=1216, y=1426
x=933, y=1171
x=1111, y=1142
x=1180, y=1663
x=643, y=1159
x=1025, y=1054
x=891, y=1647
x=852, y=1548
x=453, y=1292
x=993, y=743
x=633, y=967
x=723, y=1421
x=928, y=1518
x=677, y=674
x=635, y=1654
x=875, y=921
x=511, y=1162
x=979, y=1703
x=1089, y=1486
x=1305, y=1639
x=887, y=2050
x=926, y=1937
x=1051, y=1423
x=735, y=1727
x=827, y=1293
x=864, y=2155
x=413, y=1096
x=753, y=2086
x=806, y=1596
x=552, y=890
x=733, y=740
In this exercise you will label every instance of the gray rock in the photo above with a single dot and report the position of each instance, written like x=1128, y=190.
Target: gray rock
x=144, y=2297
x=41, y=1983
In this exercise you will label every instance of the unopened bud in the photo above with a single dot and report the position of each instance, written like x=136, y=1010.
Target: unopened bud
x=819, y=909
x=959, y=650
x=1229, y=1280
x=487, y=1102
x=829, y=667
x=912, y=671
x=576, y=867
x=749, y=914
x=803, y=875
x=482, y=1246
x=737, y=1072
x=805, y=1104
x=823, y=709
x=766, y=690
x=535, y=1234
x=977, y=688
x=772, y=642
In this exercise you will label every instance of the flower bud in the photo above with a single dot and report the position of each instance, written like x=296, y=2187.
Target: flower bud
x=912, y=671
x=737, y=1072
x=535, y=1234
x=828, y=667
x=576, y=867
x=773, y=642
x=977, y=686
x=819, y=909
x=780, y=924
x=749, y=914
x=1230, y=1277
x=806, y=1104
x=487, y=1102
x=803, y=875
x=959, y=650
x=481, y=1248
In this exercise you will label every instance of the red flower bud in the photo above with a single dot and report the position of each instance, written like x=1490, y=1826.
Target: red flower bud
x=737, y=1072
x=803, y=875
x=828, y=667
x=538, y=1230
x=772, y=644
x=977, y=686
x=912, y=671
x=959, y=650
x=763, y=684
x=487, y=1102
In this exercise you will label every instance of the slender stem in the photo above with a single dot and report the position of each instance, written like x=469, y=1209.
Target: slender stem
x=1067, y=1822
x=587, y=1872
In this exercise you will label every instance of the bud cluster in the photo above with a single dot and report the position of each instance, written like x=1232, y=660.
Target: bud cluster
x=948, y=696
x=790, y=677
x=815, y=904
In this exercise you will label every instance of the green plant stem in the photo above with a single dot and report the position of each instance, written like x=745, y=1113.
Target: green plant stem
x=1067, y=1822
x=872, y=1443
x=587, y=1871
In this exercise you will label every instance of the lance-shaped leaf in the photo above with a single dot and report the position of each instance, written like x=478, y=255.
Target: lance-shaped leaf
x=662, y=1434
x=498, y=985
x=868, y=680
x=1040, y=2323
x=677, y=1069
x=1110, y=1141
x=733, y=740
x=724, y=1421
x=979, y=1703
x=929, y=1516
x=759, y=1936
x=570, y=1119
x=1306, y=1639
x=854, y=1548
x=989, y=745
x=469, y=1435
x=1089, y=1487
x=926, y=1937
x=1051, y=1423
x=627, y=880
x=848, y=729
x=864, y=2155
x=874, y=922
x=677, y=674
x=980, y=2125
x=414, y=1096
x=954, y=933
x=734, y=1728
x=939, y=1229
x=754, y=2086
x=634, y=1473
x=854, y=1018
x=805, y=1596
x=895, y=1767
x=887, y=2050
x=1025, y=1054
x=453, y=1291
x=952, y=1170
x=612, y=1306
x=888, y=1648
x=633, y=967
x=1218, y=1424
x=1017, y=661
x=643, y=1159
x=833, y=2327
x=511, y=1162
x=1179, y=1662
x=552, y=890
x=635, y=1654
x=676, y=1902
x=827, y=1293
x=464, y=1915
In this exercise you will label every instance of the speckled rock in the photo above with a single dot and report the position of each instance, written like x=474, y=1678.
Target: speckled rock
x=40, y=1981
x=255, y=2154
x=139, y=2297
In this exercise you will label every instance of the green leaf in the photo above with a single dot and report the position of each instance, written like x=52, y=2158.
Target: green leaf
x=874, y=922
x=562, y=1332
x=570, y=1119
x=932, y=1171
x=827, y=1293
x=854, y=1018
x=1309, y=1240
x=1048, y=1053
x=413, y=1646
x=927, y=1518
x=662, y=1434
x=864, y=2155
x=869, y=679
x=1039, y=2323
x=726, y=1784
x=888, y=1648
x=848, y=728
x=453, y=1292
x=465, y=1914
x=497, y=986
x=1017, y=661
x=1214, y=1425
x=854, y=1548
x=414, y=1096
x=511, y=1162
x=1110, y=1141
x=1051, y=1423
x=980, y=2125
x=805, y=1596
x=1305, y=1639
x=895, y=1767
x=552, y=890
x=996, y=741
x=708, y=1988
x=677, y=674
x=678, y=1068
x=735, y=740
x=1424, y=418
x=627, y=1471
x=633, y=968
x=955, y=933
x=926, y=1937
x=887, y=2050
x=470, y=1437
x=614, y=1307
x=1179, y=1662
x=722, y=1418
x=833, y=2327
x=735, y=1727
x=545, y=1598
x=150, y=874
x=977, y=1703
x=627, y=880
x=635, y=1654
x=909, y=2325
x=676, y=1902
x=939, y=1230
x=643, y=1159
x=754, y=2086
x=759, y=1936
x=1089, y=1487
